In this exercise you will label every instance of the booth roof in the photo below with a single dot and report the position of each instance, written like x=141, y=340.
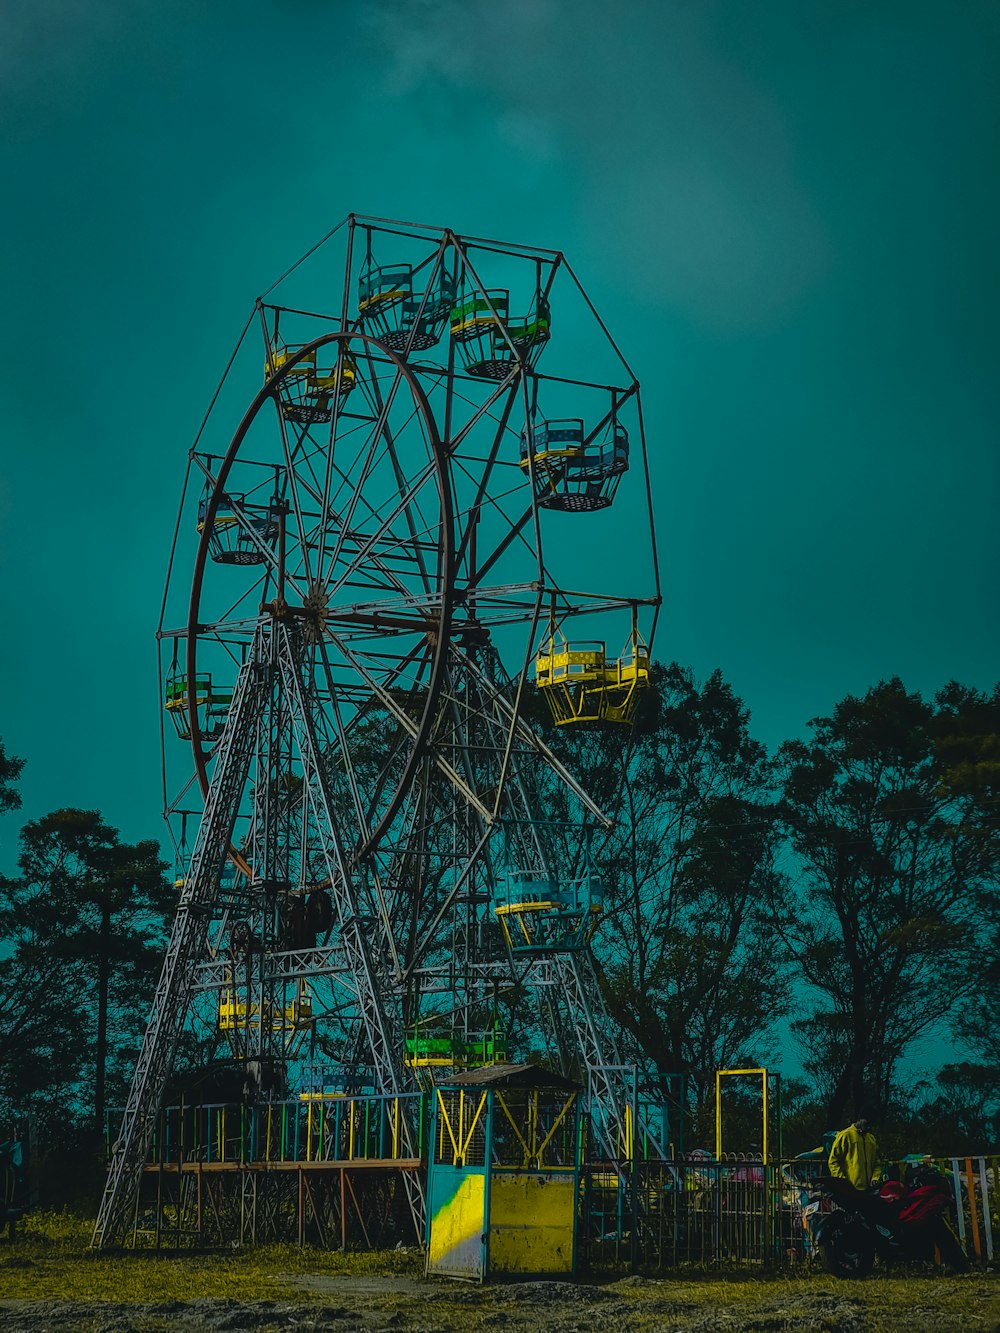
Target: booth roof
x=511, y=1076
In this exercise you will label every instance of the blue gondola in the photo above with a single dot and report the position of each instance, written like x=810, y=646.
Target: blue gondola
x=402, y=319
x=543, y=915
x=571, y=472
x=238, y=536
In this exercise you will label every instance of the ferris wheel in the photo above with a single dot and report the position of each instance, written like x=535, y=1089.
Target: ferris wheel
x=401, y=508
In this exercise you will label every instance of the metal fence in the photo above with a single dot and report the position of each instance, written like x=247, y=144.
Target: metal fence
x=976, y=1183
x=737, y=1212
x=643, y=1212
x=311, y=1128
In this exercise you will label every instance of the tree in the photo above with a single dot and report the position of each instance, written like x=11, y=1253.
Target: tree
x=85, y=924
x=967, y=743
x=10, y=771
x=892, y=864
x=961, y=1112
x=685, y=943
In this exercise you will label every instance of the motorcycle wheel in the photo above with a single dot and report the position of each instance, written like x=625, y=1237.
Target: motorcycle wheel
x=848, y=1253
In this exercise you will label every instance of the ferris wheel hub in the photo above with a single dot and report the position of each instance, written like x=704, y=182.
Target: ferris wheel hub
x=315, y=606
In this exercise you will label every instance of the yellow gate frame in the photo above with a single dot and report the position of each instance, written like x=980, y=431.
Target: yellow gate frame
x=763, y=1074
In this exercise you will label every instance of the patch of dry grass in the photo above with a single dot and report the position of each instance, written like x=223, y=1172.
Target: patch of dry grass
x=877, y=1304
x=51, y=1262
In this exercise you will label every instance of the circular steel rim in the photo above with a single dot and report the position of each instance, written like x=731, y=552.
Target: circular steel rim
x=446, y=571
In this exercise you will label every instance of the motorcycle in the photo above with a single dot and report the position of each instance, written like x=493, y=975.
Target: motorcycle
x=898, y=1222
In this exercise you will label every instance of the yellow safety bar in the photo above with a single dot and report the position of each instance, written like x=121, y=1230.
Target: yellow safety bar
x=275, y=361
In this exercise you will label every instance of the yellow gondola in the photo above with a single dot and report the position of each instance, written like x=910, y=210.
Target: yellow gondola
x=305, y=390
x=584, y=686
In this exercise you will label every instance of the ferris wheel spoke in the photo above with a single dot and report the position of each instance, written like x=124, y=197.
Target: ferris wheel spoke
x=328, y=470
x=514, y=533
x=366, y=470
x=374, y=512
x=373, y=540
x=332, y=519
x=483, y=411
x=344, y=471
x=406, y=721
x=295, y=501
x=328, y=517
x=400, y=480
x=421, y=946
x=481, y=477
x=254, y=592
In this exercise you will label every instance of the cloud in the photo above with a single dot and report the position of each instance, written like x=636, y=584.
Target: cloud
x=678, y=159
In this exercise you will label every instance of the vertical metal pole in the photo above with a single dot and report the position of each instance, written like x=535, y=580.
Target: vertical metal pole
x=763, y=1079
x=959, y=1210
x=718, y=1115
x=987, y=1224
x=781, y=1141
x=634, y=1174
x=488, y=1182
x=973, y=1214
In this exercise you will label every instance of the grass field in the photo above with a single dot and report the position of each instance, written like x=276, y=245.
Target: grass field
x=49, y=1280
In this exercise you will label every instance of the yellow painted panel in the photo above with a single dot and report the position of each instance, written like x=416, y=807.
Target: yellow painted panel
x=457, y=1228
x=531, y=1222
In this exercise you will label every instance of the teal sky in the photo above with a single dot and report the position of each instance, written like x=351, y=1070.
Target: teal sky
x=785, y=210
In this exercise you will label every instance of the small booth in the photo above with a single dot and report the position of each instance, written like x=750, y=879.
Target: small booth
x=504, y=1174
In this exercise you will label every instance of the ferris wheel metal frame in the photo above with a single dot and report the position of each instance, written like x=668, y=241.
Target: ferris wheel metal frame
x=374, y=756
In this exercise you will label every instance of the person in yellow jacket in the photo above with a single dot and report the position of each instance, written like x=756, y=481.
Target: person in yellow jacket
x=854, y=1153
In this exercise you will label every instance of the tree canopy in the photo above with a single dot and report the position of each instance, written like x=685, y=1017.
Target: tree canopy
x=10, y=771
x=83, y=922
x=848, y=883
x=893, y=861
x=686, y=942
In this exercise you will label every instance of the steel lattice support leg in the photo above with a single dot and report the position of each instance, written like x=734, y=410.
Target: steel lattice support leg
x=373, y=982
x=611, y=1092
x=186, y=946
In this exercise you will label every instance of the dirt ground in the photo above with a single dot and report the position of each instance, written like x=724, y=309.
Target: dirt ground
x=374, y=1303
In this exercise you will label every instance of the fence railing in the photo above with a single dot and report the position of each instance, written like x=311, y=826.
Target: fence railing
x=736, y=1211
x=976, y=1183
x=310, y=1129
x=644, y=1212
